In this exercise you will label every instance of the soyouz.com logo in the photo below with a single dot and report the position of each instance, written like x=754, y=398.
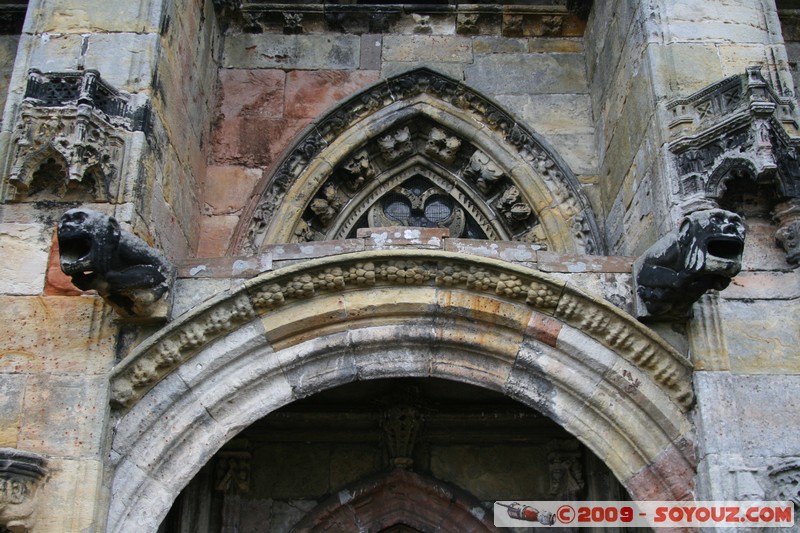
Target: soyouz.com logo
x=643, y=514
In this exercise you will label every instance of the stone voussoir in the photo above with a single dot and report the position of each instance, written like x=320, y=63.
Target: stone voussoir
x=179, y=341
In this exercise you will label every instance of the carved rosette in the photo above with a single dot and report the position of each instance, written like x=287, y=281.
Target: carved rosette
x=447, y=152
x=21, y=474
x=71, y=136
x=737, y=128
x=394, y=268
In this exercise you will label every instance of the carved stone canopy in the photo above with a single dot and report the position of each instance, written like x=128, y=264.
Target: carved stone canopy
x=71, y=135
x=21, y=474
x=739, y=128
x=494, y=175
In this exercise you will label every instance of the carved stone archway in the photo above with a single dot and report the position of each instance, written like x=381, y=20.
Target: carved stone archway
x=506, y=179
x=300, y=330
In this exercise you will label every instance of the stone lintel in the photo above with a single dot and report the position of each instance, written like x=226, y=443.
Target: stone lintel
x=513, y=252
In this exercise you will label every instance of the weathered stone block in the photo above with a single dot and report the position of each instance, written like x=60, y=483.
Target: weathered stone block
x=217, y=232
x=11, y=402
x=24, y=249
x=57, y=334
x=427, y=48
x=292, y=51
x=371, y=51
x=58, y=16
x=553, y=113
x=528, y=74
x=74, y=488
x=759, y=337
x=52, y=405
x=309, y=94
x=251, y=93
x=390, y=69
x=486, y=44
x=126, y=60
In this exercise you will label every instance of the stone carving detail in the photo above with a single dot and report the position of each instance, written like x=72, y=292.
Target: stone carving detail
x=785, y=481
x=513, y=208
x=566, y=469
x=467, y=23
x=358, y=170
x=122, y=268
x=704, y=253
x=483, y=172
x=21, y=474
x=396, y=144
x=787, y=216
x=737, y=128
x=422, y=24
x=429, y=208
x=70, y=137
x=292, y=23
x=232, y=472
x=401, y=422
x=598, y=322
x=327, y=206
x=442, y=146
x=608, y=325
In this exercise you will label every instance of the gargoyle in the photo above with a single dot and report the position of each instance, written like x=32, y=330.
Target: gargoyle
x=704, y=253
x=122, y=268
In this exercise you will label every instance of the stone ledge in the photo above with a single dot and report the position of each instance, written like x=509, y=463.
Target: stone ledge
x=531, y=255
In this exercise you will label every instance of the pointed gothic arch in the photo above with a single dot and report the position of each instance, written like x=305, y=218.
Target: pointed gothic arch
x=398, y=498
x=349, y=161
x=291, y=333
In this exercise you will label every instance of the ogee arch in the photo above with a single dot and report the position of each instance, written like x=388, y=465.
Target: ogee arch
x=291, y=333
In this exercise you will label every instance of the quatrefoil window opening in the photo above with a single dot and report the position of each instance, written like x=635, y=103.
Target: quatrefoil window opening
x=419, y=203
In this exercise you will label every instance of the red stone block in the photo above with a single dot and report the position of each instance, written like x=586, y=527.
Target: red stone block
x=309, y=93
x=57, y=283
x=251, y=93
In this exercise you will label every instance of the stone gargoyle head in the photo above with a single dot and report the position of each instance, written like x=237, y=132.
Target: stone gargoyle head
x=98, y=255
x=704, y=253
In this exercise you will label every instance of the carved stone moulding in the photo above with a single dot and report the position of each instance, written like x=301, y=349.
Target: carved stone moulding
x=554, y=19
x=21, y=474
x=507, y=181
x=71, y=136
x=178, y=342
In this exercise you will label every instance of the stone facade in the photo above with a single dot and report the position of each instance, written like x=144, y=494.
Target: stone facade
x=376, y=265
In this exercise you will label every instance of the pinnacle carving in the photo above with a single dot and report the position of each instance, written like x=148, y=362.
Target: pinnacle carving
x=70, y=137
x=736, y=129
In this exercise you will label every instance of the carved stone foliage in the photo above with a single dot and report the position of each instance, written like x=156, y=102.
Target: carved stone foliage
x=98, y=255
x=472, y=173
x=785, y=482
x=335, y=211
x=178, y=342
x=401, y=421
x=738, y=128
x=704, y=253
x=70, y=137
x=21, y=474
